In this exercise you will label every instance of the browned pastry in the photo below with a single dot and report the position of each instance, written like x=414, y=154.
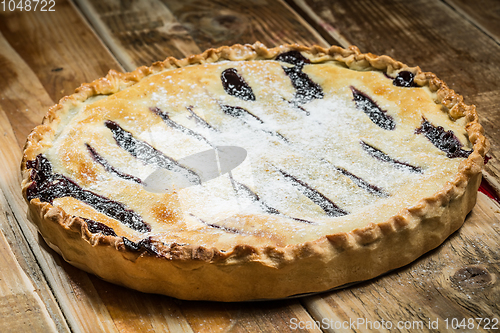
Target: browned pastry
x=251, y=173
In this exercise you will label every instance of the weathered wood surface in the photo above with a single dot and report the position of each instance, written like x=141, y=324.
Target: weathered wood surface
x=485, y=14
x=20, y=305
x=141, y=32
x=40, y=63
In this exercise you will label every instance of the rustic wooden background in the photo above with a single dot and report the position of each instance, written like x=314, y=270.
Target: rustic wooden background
x=46, y=55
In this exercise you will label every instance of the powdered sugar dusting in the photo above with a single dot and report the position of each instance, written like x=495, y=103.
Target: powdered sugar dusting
x=311, y=142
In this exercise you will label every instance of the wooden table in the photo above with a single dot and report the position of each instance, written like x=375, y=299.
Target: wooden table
x=45, y=55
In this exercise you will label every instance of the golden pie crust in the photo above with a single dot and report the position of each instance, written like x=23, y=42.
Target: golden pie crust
x=218, y=252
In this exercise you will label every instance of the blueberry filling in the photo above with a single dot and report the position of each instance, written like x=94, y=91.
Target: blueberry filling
x=378, y=116
x=380, y=155
x=164, y=116
x=245, y=115
x=48, y=186
x=294, y=58
x=363, y=184
x=404, y=79
x=98, y=227
x=306, y=89
x=235, y=85
x=445, y=141
x=143, y=245
x=198, y=119
x=108, y=167
x=330, y=208
x=245, y=191
x=146, y=153
x=239, y=112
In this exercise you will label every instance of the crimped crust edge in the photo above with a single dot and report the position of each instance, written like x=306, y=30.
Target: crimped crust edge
x=265, y=262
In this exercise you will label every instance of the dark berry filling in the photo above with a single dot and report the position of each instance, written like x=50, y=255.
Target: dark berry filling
x=244, y=115
x=318, y=198
x=147, y=153
x=293, y=57
x=378, y=116
x=235, y=85
x=305, y=89
x=404, y=79
x=48, y=186
x=300, y=108
x=98, y=227
x=145, y=244
x=363, y=184
x=198, y=119
x=178, y=127
x=378, y=154
x=243, y=190
x=108, y=167
x=239, y=112
x=443, y=140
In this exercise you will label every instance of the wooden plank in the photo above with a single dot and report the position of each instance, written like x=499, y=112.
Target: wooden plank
x=427, y=33
x=147, y=31
x=159, y=313
x=59, y=47
x=269, y=316
x=17, y=88
x=133, y=311
x=218, y=23
x=457, y=280
x=18, y=296
x=139, y=32
x=485, y=14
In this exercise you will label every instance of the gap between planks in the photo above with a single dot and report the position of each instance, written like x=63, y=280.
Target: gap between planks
x=456, y=6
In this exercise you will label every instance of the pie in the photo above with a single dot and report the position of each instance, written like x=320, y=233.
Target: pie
x=248, y=173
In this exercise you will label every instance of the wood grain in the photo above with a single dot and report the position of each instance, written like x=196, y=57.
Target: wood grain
x=18, y=248
x=138, y=32
x=141, y=32
x=485, y=14
x=270, y=316
x=17, y=88
x=18, y=296
x=429, y=34
x=457, y=280
x=61, y=58
x=218, y=23
x=20, y=109
x=133, y=311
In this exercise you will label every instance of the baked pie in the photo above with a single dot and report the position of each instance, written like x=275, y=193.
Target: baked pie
x=250, y=173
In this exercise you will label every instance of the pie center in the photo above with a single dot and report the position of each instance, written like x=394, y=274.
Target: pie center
x=315, y=147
